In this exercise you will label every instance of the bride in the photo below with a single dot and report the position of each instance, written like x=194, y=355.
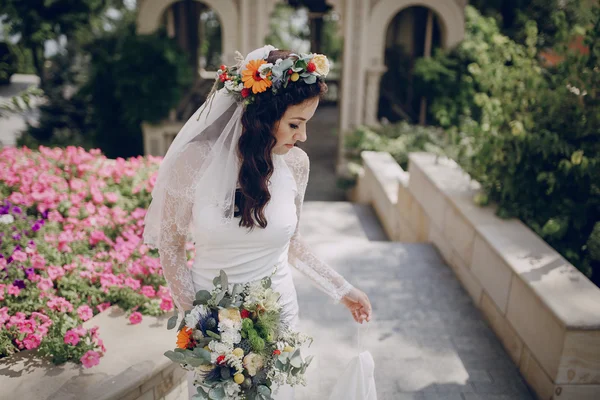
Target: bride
x=234, y=180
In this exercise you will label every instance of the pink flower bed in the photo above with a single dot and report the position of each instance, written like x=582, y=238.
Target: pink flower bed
x=71, y=223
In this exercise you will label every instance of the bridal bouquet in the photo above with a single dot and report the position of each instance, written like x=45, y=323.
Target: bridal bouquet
x=234, y=342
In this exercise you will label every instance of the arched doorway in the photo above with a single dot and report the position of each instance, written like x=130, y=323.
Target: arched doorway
x=198, y=30
x=414, y=32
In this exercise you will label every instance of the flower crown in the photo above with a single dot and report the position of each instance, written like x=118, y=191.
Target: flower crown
x=246, y=81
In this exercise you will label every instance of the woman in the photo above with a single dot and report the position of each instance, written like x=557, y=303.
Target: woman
x=234, y=179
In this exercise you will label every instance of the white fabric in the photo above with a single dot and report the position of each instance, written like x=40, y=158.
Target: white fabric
x=357, y=381
x=194, y=195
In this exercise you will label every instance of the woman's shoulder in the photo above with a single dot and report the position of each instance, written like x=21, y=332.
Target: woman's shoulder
x=297, y=159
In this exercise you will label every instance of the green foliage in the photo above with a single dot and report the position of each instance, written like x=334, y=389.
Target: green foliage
x=101, y=102
x=398, y=139
x=8, y=63
x=528, y=134
x=514, y=15
x=37, y=21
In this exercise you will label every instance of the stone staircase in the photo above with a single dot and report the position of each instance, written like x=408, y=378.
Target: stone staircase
x=427, y=338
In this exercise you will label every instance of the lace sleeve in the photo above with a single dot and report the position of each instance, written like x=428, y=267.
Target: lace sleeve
x=300, y=254
x=171, y=234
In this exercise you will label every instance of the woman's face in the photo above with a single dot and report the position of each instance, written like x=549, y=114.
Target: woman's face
x=292, y=125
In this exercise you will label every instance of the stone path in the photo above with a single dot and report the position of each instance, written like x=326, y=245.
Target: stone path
x=427, y=338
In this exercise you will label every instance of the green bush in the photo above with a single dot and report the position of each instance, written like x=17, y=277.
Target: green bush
x=397, y=139
x=8, y=63
x=528, y=134
x=99, y=99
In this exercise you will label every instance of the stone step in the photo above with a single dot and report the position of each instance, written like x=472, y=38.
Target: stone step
x=335, y=221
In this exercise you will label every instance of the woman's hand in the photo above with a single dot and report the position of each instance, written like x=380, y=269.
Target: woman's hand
x=359, y=305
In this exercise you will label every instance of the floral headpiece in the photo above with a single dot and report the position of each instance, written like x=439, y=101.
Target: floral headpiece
x=257, y=75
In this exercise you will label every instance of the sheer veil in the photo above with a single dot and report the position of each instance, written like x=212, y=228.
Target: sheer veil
x=215, y=127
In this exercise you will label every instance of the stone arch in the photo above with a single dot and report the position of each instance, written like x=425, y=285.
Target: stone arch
x=450, y=16
x=151, y=11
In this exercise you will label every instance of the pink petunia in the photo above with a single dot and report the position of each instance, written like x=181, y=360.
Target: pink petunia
x=103, y=306
x=71, y=337
x=111, y=197
x=38, y=261
x=55, y=272
x=135, y=318
x=19, y=256
x=85, y=312
x=90, y=359
x=45, y=284
x=166, y=304
x=148, y=291
x=13, y=290
x=32, y=341
x=60, y=304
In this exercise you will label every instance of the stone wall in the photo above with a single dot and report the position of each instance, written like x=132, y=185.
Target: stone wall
x=544, y=311
x=133, y=368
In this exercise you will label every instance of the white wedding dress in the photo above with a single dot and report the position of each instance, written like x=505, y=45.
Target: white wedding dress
x=247, y=255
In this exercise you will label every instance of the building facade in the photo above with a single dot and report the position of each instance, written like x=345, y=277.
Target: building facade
x=364, y=25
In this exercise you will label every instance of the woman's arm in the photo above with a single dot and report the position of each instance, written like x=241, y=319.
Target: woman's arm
x=174, y=223
x=300, y=254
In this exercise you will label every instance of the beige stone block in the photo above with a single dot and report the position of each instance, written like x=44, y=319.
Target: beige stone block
x=537, y=327
x=580, y=360
x=436, y=237
x=165, y=386
x=149, y=395
x=152, y=382
x=180, y=392
x=466, y=278
x=460, y=233
x=132, y=395
x=429, y=197
x=492, y=272
x=418, y=220
x=535, y=376
x=577, y=392
x=507, y=335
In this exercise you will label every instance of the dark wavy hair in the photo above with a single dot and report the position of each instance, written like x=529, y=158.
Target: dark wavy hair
x=257, y=141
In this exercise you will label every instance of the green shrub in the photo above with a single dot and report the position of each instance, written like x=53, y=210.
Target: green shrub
x=397, y=139
x=528, y=134
x=8, y=63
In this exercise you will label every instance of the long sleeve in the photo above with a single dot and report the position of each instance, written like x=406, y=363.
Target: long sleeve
x=170, y=233
x=300, y=254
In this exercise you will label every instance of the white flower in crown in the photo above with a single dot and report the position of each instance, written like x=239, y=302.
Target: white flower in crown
x=232, y=87
x=322, y=64
x=264, y=69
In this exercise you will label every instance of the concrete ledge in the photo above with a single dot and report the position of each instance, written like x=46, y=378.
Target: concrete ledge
x=544, y=311
x=133, y=367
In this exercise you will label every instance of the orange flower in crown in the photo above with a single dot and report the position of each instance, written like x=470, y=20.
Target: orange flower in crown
x=255, y=77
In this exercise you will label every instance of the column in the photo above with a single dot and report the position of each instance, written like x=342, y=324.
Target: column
x=371, y=104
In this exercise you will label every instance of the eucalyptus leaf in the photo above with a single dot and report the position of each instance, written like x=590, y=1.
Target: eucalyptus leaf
x=217, y=281
x=203, y=296
x=203, y=354
x=310, y=80
x=262, y=389
x=224, y=280
x=175, y=357
x=217, y=393
x=267, y=283
x=226, y=302
x=296, y=359
x=220, y=297
x=194, y=362
x=237, y=289
x=172, y=322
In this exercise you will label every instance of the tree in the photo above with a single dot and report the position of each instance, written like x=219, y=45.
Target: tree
x=37, y=21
